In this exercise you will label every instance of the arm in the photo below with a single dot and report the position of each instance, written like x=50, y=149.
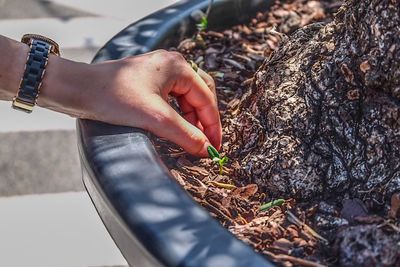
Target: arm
x=131, y=91
x=12, y=62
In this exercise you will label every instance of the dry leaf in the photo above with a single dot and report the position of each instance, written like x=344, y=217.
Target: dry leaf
x=395, y=206
x=245, y=192
x=364, y=66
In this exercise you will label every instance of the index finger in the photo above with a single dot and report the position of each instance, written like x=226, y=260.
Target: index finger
x=197, y=94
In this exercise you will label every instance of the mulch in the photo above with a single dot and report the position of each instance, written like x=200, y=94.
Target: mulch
x=291, y=233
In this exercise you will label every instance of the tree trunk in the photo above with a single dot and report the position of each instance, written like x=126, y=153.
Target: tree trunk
x=323, y=115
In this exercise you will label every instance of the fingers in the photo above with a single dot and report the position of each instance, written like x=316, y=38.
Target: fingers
x=189, y=113
x=208, y=80
x=167, y=123
x=202, y=99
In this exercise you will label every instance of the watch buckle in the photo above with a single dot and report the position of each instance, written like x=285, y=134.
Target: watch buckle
x=22, y=105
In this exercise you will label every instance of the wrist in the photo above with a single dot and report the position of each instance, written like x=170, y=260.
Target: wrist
x=12, y=70
x=66, y=87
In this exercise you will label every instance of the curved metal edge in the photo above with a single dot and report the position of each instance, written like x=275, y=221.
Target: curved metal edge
x=132, y=249
x=152, y=219
x=168, y=26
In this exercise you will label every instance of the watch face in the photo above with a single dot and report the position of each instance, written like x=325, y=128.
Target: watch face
x=54, y=46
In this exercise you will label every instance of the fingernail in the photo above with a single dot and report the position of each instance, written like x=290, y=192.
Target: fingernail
x=215, y=137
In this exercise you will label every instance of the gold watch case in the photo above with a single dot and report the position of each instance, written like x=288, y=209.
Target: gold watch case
x=27, y=39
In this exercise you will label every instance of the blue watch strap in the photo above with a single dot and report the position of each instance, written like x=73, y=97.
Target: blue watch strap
x=33, y=76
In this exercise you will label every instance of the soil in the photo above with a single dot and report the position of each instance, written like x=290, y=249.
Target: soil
x=317, y=232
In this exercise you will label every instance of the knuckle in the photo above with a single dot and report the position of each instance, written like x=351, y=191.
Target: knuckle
x=197, y=140
x=160, y=55
x=161, y=119
x=160, y=51
x=176, y=56
x=200, y=146
x=167, y=58
x=211, y=83
x=208, y=80
x=176, y=59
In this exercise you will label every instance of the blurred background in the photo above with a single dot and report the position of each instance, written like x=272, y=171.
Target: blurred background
x=46, y=217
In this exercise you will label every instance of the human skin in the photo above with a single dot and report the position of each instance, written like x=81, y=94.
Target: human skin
x=132, y=91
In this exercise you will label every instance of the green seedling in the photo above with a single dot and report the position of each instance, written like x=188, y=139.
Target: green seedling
x=216, y=157
x=274, y=203
x=212, y=152
x=202, y=26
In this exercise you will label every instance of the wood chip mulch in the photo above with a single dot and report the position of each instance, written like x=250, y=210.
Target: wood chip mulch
x=284, y=233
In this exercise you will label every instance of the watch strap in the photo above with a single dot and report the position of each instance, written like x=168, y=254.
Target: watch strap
x=33, y=75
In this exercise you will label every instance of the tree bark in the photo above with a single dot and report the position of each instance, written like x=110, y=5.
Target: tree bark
x=323, y=114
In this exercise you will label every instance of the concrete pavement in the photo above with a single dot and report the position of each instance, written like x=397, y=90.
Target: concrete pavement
x=54, y=230
x=22, y=9
x=47, y=219
x=39, y=162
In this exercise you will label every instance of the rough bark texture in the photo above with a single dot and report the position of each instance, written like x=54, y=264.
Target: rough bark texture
x=367, y=246
x=323, y=115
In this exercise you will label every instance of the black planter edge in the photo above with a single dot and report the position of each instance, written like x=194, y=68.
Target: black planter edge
x=121, y=171
x=110, y=217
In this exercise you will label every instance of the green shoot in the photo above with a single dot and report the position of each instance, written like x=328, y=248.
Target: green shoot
x=202, y=26
x=212, y=152
x=216, y=157
x=274, y=203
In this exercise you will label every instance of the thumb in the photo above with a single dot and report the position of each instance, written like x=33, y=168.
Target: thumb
x=170, y=125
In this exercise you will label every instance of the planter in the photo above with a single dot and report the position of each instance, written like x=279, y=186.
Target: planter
x=153, y=221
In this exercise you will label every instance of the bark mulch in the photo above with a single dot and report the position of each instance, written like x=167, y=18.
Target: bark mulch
x=288, y=232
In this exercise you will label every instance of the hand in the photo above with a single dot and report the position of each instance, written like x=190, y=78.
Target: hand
x=134, y=92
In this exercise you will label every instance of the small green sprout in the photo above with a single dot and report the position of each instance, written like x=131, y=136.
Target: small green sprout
x=212, y=152
x=202, y=26
x=216, y=157
x=274, y=203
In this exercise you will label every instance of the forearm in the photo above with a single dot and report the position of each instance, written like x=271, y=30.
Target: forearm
x=12, y=61
x=64, y=86
x=67, y=86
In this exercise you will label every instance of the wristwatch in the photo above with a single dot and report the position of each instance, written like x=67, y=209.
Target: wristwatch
x=35, y=68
